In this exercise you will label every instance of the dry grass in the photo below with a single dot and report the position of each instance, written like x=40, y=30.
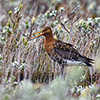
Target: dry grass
x=27, y=59
x=22, y=58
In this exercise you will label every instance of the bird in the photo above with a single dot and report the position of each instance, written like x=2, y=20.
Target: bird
x=61, y=52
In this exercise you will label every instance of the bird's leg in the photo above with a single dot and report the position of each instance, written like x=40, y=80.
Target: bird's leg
x=62, y=71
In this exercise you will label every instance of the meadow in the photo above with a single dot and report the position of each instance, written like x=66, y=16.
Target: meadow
x=26, y=70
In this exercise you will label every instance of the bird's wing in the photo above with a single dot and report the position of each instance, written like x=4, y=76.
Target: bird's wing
x=66, y=51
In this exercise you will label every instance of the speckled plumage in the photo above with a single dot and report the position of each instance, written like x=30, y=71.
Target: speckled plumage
x=62, y=52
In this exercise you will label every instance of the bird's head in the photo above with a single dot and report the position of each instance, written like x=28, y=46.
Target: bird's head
x=47, y=32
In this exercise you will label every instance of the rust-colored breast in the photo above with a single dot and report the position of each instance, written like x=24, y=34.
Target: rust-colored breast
x=49, y=46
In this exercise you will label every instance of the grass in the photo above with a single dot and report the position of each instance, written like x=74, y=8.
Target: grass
x=26, y=70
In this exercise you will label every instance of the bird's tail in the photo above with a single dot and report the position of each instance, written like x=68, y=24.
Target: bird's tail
x=88, y=61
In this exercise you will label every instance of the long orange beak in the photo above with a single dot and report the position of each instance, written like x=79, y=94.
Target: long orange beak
x=37, y=35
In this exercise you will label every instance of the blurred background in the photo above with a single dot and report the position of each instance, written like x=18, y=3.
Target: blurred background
x=21, y=58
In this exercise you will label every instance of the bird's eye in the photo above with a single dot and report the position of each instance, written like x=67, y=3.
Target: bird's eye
x=44, y=30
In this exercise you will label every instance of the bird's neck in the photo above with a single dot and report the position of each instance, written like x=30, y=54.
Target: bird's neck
x=48, y=43
x=49, y=38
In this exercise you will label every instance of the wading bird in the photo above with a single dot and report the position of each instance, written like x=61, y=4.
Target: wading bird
x=61, y=52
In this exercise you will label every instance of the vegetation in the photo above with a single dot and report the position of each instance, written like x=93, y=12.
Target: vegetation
x=26, y=70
